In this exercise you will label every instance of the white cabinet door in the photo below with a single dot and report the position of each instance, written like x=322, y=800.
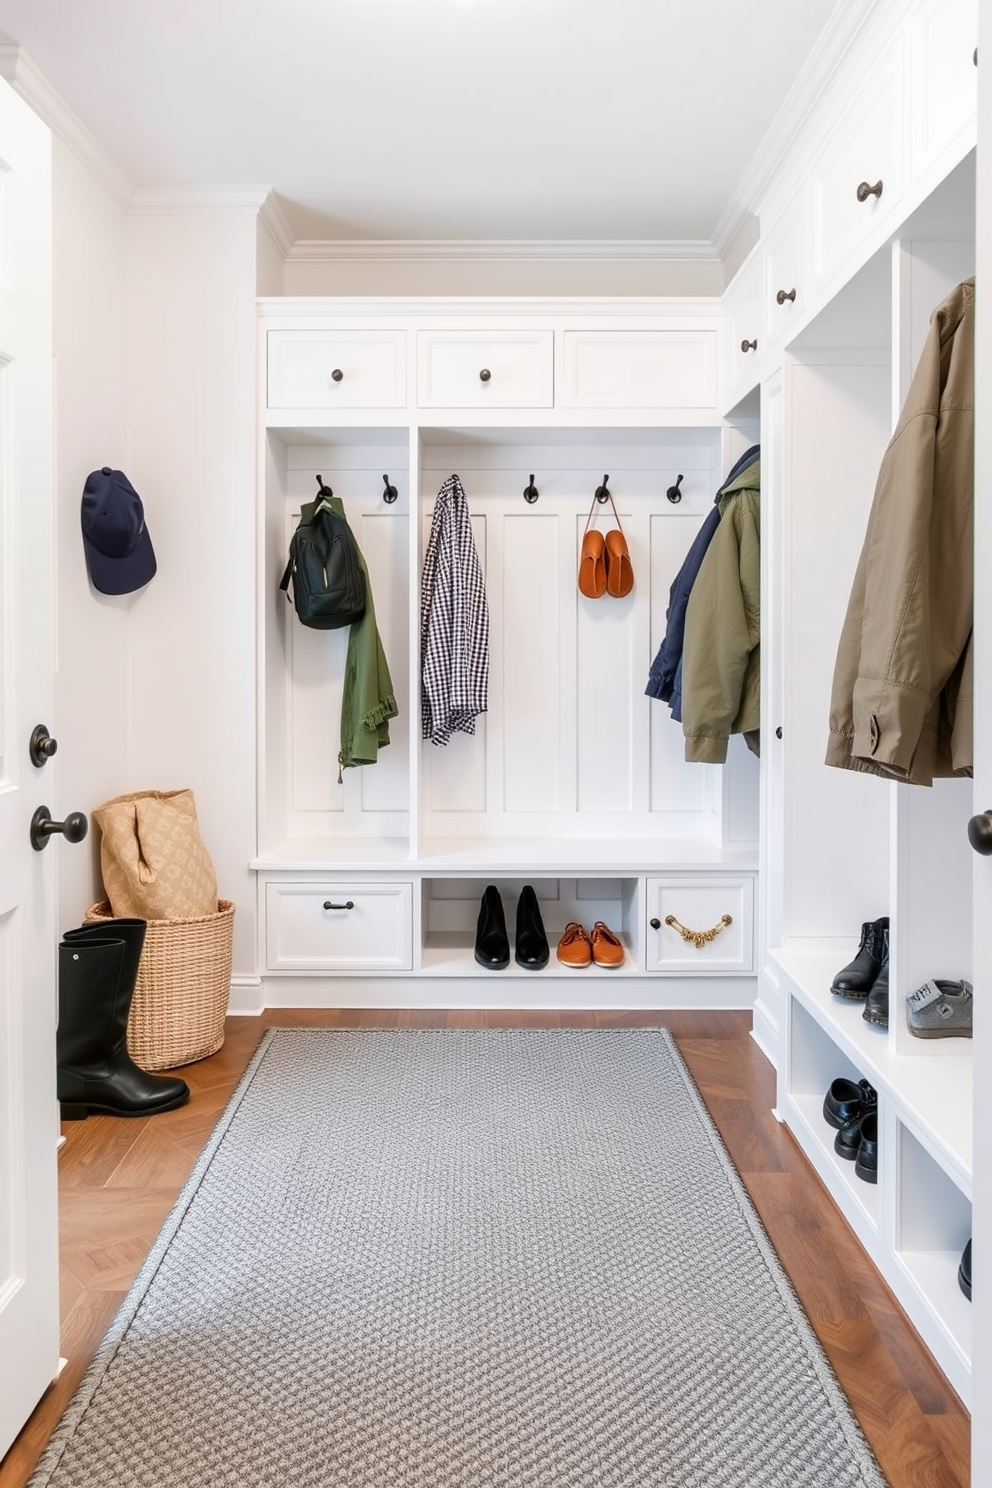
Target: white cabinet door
x=945, y=82
x=336, y=369
x=29, y=1313
x=339, y=927
x=745, y=332
x=857, y=180
x=639, y=369
x=786, y=288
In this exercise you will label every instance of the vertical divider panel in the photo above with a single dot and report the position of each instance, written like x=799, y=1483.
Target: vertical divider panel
x=415, y=558
x=931, y=858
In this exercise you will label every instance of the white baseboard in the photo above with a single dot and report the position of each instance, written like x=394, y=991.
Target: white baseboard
x=765, y=1032
x=247, y=999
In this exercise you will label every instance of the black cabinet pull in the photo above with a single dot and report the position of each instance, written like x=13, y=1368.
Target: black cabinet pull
x=337, y=375
x=865, y=191
x=485, y=375
x=328, y=904
x=749, y=345
x=786, y=294
x=655, y=924
x=778, y=732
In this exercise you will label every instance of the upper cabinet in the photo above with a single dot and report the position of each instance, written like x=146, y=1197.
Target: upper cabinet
x=485, y=369
x=336, y=369
x=639, y=369
x=944, y=82
x=786, y=271
x=857, y=177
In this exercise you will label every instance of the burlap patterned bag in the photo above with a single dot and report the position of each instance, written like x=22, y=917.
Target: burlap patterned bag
x=155, y=866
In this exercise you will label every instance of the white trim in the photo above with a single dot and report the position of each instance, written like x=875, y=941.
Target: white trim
x=507, y=250
x=841, y=30
x=246, y=998
x=26, y=79
x=168, y=202
x=273, y=219
x=397, y=307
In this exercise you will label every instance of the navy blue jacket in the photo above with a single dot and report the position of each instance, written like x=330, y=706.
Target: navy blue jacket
x=665, y=677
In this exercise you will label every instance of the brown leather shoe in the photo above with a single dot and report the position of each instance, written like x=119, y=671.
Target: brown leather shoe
x=619, y=571
x=592, y=566
x=607, y=949
x=575, y=947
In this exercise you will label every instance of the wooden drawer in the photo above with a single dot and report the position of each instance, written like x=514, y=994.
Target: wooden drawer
x=865, y=148
x=699, y=903
x=485, y=369
x=336, y=369
x=639, y=369
x=333, y=927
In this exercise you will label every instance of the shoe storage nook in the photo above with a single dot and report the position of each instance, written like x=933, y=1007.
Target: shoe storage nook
x=575, y=781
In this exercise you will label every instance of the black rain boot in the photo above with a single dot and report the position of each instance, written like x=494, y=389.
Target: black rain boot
x=859, y=976
x=97, y=972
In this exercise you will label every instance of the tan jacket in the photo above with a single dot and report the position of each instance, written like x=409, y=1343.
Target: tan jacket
x=903, y=692
x=721, y=665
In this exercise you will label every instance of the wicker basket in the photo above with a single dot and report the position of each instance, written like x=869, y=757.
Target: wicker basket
x=181, y=995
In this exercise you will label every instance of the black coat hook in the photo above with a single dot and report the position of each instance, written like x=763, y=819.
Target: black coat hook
x=325, y=491
x=531, y=492
x=390, y=494
x=673, y=493
x=602, y=492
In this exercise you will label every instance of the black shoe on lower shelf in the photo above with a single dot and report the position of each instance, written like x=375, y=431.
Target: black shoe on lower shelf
x=866, y=1158
x=847, y=1100
x=964, y=1271
x=492, y=945
x=531, y=949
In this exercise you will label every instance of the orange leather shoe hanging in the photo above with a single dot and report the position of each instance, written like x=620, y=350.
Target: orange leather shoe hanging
x=619, y=572
x=592, y=566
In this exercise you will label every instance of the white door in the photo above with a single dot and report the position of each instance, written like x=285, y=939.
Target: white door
x=29, y=1322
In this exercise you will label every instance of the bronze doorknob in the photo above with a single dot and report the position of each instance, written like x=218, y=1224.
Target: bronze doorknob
x=73, y=829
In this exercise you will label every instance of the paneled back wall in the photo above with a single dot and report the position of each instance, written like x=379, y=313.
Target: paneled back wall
x=571, y=746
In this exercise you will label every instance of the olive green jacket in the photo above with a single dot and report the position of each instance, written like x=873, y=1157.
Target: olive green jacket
x=721, y=666
x=902, y=699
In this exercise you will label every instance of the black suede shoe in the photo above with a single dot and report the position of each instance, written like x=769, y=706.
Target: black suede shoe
x=876, y=1008
x=492, y=945
x=859, y=976
x=847, y=1100
x=866, y=1161
x=531, y=945
x=964, y=1271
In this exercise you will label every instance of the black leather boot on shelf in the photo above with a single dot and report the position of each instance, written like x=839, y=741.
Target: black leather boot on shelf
x=531, y=949
x=492, y=944
x=98, y=968
x=876, y=1009
x=964, y=1271
x=859, y=976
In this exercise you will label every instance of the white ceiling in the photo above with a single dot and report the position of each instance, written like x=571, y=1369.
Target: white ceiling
x=435, y=119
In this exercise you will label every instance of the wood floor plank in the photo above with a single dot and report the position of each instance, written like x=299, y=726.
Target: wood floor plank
x=118, y=1180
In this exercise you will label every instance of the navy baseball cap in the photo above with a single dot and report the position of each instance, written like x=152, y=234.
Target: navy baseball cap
x=118, y=548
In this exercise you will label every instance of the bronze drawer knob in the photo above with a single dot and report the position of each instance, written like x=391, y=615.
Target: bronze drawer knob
x=785, y=294
x=865, y=191
x=749, y=345
x=485, y=375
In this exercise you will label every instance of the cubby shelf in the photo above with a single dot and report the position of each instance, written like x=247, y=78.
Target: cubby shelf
x=931, y=1092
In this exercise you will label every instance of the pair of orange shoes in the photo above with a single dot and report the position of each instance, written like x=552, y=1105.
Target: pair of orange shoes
x=578, y=948
x=604, y=565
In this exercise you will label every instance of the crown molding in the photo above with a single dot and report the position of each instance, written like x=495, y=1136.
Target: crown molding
x=846, y=23
x=181, y=202
x=273, y=219
x=30, y=82
x=506, y=250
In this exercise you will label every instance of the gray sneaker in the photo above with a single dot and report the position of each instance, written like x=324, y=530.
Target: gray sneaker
x=940, y=1010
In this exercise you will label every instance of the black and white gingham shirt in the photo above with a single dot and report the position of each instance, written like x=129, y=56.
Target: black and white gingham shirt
x=454, y=622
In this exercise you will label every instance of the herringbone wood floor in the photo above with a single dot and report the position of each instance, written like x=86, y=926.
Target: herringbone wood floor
x=119, y=1178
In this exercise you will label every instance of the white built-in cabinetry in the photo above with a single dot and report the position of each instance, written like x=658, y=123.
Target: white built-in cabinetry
x=574, y=781
x=866, y=229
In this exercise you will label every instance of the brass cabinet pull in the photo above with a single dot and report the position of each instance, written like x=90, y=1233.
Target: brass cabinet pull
x=749, y=346
x=698, y=938
x=328, y=904
x=786, y=294
x=865, y=191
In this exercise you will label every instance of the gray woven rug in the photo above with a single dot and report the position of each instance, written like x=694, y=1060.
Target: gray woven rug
x=461, y=1259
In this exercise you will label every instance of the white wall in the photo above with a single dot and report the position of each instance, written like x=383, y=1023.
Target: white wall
x=320, y=269
x=91, y=703
x=191, y=454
